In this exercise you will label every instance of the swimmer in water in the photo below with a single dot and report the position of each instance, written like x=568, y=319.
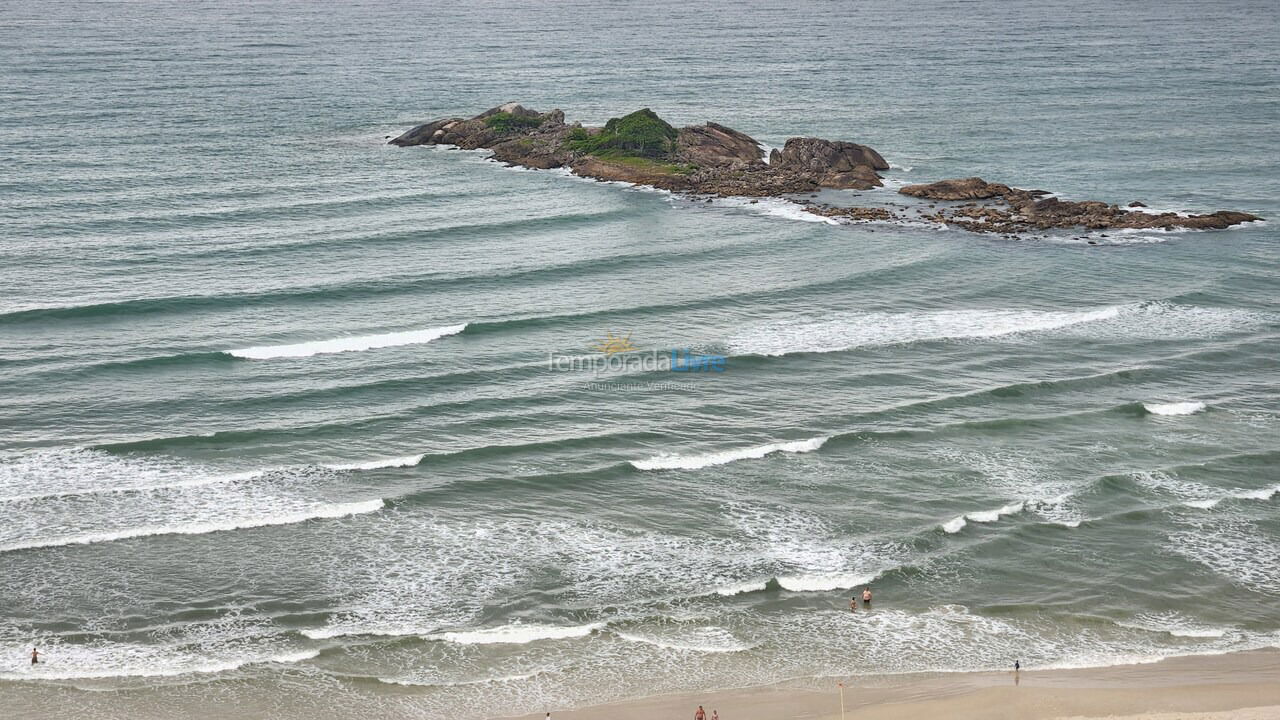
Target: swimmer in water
x=866, y=597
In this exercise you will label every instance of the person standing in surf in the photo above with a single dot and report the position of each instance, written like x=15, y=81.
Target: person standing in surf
x=35, y=656
x=866, y=597
x=853, y=604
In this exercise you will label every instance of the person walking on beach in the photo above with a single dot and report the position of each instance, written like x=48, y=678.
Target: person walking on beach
x=715, y=715
x=866, y=597
x=35, y=656
x=701, y=714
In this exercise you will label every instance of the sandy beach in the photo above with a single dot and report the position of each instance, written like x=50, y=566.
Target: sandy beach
x=1238, y=686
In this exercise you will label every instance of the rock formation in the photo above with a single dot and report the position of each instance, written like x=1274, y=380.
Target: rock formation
x=705, y=159
x=1030, y=210
x=715, y=160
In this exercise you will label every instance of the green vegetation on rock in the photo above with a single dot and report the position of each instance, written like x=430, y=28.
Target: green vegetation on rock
x=505, y=122
x=615, y=157
x=640, y=134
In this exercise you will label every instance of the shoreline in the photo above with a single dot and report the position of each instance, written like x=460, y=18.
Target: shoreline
x=1213, y=687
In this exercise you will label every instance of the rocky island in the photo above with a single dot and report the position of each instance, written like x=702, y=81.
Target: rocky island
x=715, y=160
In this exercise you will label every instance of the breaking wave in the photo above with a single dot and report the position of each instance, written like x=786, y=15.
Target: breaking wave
x=986, y=516
x=881, y=328
x=200, y=528
x=847, y=331
x=695, y=462
x=1177, y=408
x=346, y=344
x=396, y=462
x=519, y=634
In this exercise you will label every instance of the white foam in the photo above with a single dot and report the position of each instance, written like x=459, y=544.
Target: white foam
x=1261, y=494
x=990, y=516
x=824, y=582
x=699, y=640
x=774, y=207
x=695, y=462
x=1234, y=547
x=519, y=634
x=854, y=330
x=200, y=528
x=65, y=472
x=742, y=587
x=986, y=516
x=1175, y=408
x=199, y=648
x=396, y=462
x=846, y=331
x=1174, y=624
x=458, y=683
x=347, y=344
x=345, y=630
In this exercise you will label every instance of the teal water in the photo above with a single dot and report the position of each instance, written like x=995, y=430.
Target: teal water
x=1037, y=449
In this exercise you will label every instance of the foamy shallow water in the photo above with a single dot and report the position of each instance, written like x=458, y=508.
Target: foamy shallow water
x=284, y=426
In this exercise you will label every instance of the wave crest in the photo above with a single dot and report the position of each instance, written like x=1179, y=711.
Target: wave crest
x=984, y=516
x=315, y=513
x=695, y=462
x=346, y=344
x=1175, y=408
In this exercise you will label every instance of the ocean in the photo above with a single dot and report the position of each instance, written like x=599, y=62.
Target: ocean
x=285, y=430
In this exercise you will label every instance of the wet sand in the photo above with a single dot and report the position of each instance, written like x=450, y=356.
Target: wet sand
x=1239, y=686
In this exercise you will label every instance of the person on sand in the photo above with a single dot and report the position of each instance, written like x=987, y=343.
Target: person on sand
x=715, y=715
x=866, y=597
x=701, y=714
x=35, y=656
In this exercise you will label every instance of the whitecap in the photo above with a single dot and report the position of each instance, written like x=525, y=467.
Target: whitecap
x=519, y=634
x=699, y=640
x=847, y=331
x=347, y=344
x=1174, y=408
x=990, y=516
x=694, y=462
x=955, y=525
x=742, y=587
x=854, y=330
x=396, y=462
x=66, y=472
x=336, y=510
x=824, y=582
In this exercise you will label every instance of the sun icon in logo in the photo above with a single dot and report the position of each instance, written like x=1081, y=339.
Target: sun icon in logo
x=614, y=344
